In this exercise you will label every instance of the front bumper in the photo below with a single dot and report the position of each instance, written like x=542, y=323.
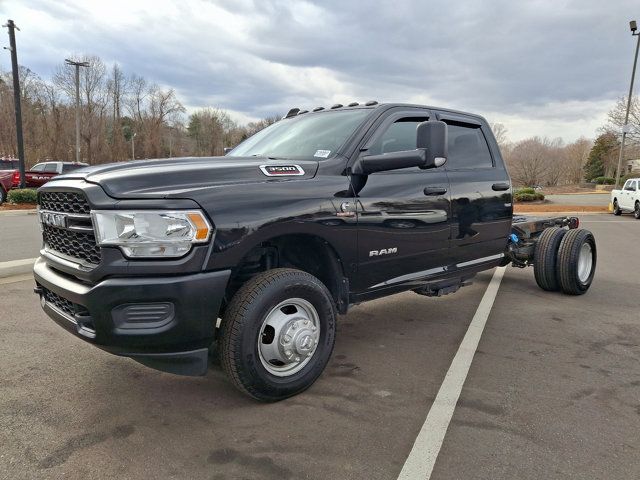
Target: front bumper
x=165, y=322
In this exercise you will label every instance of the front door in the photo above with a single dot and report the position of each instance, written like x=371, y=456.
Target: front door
x=403, y=215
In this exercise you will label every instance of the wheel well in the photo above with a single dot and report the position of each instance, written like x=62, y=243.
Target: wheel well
x=304, y=252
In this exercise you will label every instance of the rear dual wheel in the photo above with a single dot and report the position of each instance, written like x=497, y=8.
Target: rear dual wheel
x=277, y=334
x=565, y=260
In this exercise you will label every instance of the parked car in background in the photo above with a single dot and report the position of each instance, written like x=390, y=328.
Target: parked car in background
x=8, y=179
x=628, y=198
x=41, y=173
x=8, y=163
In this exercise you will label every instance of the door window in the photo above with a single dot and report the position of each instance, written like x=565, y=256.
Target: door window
x=467, y=148
x=401, y=135
x=630, y=185
x=38, y=168
x=51, y=167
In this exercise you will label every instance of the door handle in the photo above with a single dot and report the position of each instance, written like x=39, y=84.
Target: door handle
x=499, y=187
x=435, y=190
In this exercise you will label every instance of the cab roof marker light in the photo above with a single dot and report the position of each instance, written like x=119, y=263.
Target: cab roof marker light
x=370, y=103
x=353, y=104
x=317, y=109
x=291, y=113
x=302, y=112
x=337, y=105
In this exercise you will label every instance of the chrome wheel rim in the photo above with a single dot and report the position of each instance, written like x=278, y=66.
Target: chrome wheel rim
x=289, y=337
x=585, y=262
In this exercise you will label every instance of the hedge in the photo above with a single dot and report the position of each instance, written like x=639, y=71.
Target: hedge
x=520, y=196
x=26, y=195
x=604, y=180
x=529, y=190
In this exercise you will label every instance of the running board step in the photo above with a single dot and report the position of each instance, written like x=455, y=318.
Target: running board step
x=440, y=290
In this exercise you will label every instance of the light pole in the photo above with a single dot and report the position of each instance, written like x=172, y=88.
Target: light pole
x=625, y=128
x=77, y=65
x=16, y=96
x=133, y=146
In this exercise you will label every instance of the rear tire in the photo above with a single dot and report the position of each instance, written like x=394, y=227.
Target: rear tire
x=545, y=259
x=577, y=261
x=3, y=195
x=277, y=334
x=616, y=208
x=636, y=210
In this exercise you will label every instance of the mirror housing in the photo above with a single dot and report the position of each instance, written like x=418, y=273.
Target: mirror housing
x=390, y=161
x=432, y=136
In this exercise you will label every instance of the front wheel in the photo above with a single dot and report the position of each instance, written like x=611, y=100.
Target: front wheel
x=616, y=208
x=636, y=211
x=277, y=334
x=3, y=195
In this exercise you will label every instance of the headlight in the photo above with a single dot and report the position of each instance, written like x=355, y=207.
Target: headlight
x=151, y=233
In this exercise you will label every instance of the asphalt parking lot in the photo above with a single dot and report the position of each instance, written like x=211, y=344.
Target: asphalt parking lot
x=553, y=391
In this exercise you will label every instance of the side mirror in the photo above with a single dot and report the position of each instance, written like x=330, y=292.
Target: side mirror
x=390, y=161
x=432, y=136
x=227, y=150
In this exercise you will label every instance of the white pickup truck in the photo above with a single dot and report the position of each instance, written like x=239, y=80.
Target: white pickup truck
x=627, y=199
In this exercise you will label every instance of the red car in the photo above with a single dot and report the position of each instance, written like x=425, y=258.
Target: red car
x=41, y=173
x=9, y=176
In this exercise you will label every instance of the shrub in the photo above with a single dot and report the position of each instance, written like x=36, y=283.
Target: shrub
x=25, y=195
x=521, y=196
x=604, y=180
x=529, y=190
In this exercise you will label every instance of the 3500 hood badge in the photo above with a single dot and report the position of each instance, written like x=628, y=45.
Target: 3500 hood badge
x=281, y=170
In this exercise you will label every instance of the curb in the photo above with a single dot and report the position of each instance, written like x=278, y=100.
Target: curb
x=16, y=267
x=555, y=214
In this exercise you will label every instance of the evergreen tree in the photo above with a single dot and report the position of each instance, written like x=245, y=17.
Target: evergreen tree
x=601, y=156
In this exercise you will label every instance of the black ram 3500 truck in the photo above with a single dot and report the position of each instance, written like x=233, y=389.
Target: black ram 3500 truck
x=250, y=257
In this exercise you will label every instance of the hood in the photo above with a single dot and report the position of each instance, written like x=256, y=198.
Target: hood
x=175, y=176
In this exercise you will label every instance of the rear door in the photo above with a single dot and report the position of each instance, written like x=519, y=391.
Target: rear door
x=403, y=215
x=480, y=192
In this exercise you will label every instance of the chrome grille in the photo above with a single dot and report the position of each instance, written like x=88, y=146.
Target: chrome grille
x=67, y=202
x=80, y=245
x=73, y=238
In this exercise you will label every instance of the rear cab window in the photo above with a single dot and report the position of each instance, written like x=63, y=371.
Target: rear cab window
x=468, y=147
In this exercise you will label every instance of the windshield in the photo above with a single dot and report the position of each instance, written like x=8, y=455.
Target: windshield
x=314, y=135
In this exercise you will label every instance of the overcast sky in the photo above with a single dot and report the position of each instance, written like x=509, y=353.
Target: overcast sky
x=548, y=67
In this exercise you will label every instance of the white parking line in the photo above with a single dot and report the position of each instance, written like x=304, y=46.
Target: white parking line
x=17, y=263
x=423, y=455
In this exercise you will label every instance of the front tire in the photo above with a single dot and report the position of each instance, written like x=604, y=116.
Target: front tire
x=616, y=208
x=577, y=261
x=3, y=195
x=636, y=210
x=277, y=334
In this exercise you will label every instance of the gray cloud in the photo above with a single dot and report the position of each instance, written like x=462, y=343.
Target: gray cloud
x=541, y=67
